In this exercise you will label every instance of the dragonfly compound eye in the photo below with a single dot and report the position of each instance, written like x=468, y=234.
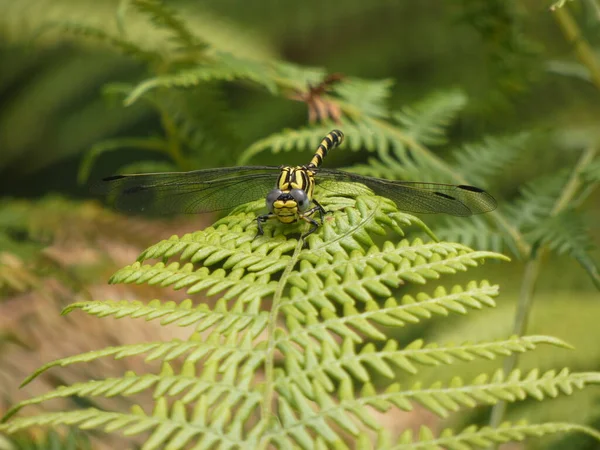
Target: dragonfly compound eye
x=271, y=197
x=301, y=198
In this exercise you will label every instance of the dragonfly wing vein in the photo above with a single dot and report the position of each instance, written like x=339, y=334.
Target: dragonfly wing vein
x=417, y=197
x=190, y=192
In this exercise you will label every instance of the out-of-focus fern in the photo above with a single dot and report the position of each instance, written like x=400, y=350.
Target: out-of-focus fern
x=512, y=54
x=483, y=161
x=28, y=229
x=359, y=107
x=15, y=276
x=426, y=121
x=73, y=440
x=566, y=233
x=284, y=355
x=167, y=19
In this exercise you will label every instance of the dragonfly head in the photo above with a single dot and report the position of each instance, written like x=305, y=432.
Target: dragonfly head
x=287, y=205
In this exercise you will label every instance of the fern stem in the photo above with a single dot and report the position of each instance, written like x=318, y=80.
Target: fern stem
x=582, y=48
x=532, y=271
x=574, y=182
x=174, y=144
x=266, y=408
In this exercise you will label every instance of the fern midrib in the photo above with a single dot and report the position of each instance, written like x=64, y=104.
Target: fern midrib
x=269, y=383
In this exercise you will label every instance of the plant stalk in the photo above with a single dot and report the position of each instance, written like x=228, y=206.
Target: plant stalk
x=532, y=271
x=582, y=48
x=269, y=383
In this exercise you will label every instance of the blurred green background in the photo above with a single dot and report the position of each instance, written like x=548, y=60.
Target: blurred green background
x=61, y=110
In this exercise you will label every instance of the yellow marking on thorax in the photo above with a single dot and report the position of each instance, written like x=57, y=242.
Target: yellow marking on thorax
x=297, y=178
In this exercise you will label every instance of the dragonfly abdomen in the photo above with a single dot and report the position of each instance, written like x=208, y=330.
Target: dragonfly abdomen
x=332, y=140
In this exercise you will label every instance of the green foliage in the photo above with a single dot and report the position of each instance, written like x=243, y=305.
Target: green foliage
x=360, y=108
x=301, y=370
x=73, y=440
x=426, y=121
x=483, y=161
x=292, y=349
x=225, y=67
x=512, y=55
x=167, y=19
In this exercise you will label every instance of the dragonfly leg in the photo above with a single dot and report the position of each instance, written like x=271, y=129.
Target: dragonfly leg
x=313, y=222
x=260, y=220
x=321, y=210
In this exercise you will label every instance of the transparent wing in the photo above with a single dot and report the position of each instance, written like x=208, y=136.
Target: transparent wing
x=457, y=200
x=188, y=192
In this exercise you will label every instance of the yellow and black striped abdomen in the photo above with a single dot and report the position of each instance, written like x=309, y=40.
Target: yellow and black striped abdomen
x=332, y=140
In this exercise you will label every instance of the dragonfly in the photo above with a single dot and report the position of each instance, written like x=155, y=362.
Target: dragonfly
x=288, y=191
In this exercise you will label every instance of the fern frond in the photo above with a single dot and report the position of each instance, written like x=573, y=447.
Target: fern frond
x=474, y=437
x=247, y=287
x=475, y=232
x=153, y=144
x=242, y=316
x=167, y=19
x=537, y=200
x=225, y=66
x=304, y=322
x=298, y=77
x=172, y=425
x=188, y=385
x=425, y=122
x=297, y=415
x=360, y=135
x=233, y=349
x=14, y=275
x=332, y=362
x=204, y=124
x=307, y=313
x=405, y=157
x=72, y=440
x=232, y=241
x=369, y=97
x=479, y=162
x=566, y=233
x=125, y=46
x=363, y=276
x=592, y=172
